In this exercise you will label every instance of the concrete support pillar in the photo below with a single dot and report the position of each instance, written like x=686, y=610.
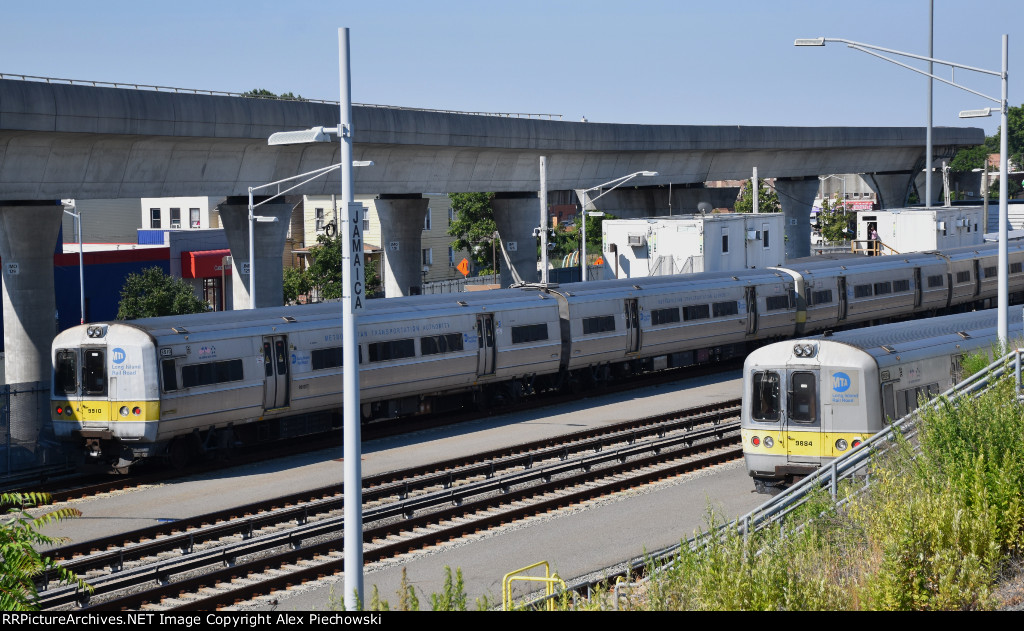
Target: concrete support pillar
x=796, y=196
x=892, y=188
x=268, y=240
x=28, y=236
x=401, y=234
x=516, y=215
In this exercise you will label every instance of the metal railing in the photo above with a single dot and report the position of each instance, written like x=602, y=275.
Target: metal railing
x=163, y=88
x=458, y=285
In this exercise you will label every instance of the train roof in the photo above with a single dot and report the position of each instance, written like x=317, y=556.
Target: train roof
x=906, y=336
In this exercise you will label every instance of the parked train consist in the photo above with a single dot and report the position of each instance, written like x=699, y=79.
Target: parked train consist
x=170, y=386
x=811, y=400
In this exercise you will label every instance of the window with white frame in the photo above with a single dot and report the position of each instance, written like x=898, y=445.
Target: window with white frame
x=366, y=219
x=427, y=220
x=175, y=218
x=428, y=256
x=154, y=218
x=193, y=218
x=319, y=214
x=451, y=256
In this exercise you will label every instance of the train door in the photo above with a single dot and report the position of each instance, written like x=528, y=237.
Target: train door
x=275, y=371
x=802, y=420
x=751, y=298
x=841, y=282
x=486, y=347
x=917, y=287
x=632, y=325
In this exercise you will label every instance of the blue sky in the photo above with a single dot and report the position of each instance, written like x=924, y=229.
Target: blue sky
x=656, y=61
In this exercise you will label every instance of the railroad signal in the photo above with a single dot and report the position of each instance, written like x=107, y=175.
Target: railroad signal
x=463, y=267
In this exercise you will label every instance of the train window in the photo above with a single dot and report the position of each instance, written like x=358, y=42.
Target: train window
x=803, y=407
x=775, y=303
x=862, y=291
x=665, y=316
x=529, y=333
x=94, y=376
x=765, y=396
x=963, y=277
x=268, y=360
x=210, y=373
x=722, y=309
x=823, y=297
x=696, y=312
x=882, y=289
x=324, y=358
x=901, y=285
x=1016, y=268
x=392, y=349
x=935, y=281
x=990, y=272
x=65, y=372
x=888, y=402
x=170, y=375
x=437, y=344
x=598, y=324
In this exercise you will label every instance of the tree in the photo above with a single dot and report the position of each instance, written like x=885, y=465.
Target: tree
x=473, y=228
x=153, y=293
x=325, y=274
x=834, y=220
x=767, y=199
x=260, y=93
x=20, y=563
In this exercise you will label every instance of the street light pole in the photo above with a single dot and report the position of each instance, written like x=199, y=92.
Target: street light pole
x=1004, y=170
x=583, y=211
x=70, y=208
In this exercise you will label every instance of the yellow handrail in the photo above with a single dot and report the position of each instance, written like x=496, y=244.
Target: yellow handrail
x=548, y=579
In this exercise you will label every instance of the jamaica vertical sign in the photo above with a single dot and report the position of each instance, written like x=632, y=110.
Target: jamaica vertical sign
x=356, y=288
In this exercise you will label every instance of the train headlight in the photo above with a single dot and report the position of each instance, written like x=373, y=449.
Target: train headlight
x=768, y=442
x=755, y=441
x=96, y=331
x=841, y=444
x=67, y=411
x=124, y=410
x=804, y=349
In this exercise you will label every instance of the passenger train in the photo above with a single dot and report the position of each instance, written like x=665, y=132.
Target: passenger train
x=811, y=400
x=171, y=386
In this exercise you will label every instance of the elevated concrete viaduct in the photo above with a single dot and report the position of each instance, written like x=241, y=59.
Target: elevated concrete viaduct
x=78, y=141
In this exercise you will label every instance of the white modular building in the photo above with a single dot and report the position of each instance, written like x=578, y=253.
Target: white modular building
x=903, y=230
x=685, y=244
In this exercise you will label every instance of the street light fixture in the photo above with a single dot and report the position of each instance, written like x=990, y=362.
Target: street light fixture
x=583, y=211
x=1003, y=287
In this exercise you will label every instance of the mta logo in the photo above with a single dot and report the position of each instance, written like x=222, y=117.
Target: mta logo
x=840, y=382
x=119, y=355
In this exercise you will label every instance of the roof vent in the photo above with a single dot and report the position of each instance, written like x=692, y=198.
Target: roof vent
x=288, y=318
x=180, y=330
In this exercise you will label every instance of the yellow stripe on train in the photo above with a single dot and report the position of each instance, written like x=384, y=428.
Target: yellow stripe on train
x=806, y=443
x=105, y=411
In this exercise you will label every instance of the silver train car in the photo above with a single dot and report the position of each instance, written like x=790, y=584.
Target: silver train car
x=811, y=400
x=173, y=386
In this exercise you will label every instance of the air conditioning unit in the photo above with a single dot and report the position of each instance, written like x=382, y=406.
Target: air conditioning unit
x=636, y=240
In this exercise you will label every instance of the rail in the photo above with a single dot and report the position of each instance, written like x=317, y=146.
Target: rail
x=163, y=88
x=871, y=247
x=854, y=466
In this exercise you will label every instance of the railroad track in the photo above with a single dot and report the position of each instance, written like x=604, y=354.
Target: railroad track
x=218, y=560
x=80, y=487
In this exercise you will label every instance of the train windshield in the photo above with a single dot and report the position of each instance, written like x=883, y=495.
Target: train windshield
x=766, y=404
x=804, y=399
x=94, y=377
x=65, y=372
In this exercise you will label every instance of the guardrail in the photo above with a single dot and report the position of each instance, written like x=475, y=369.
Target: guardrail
x=163, y=88
x=852, y=466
